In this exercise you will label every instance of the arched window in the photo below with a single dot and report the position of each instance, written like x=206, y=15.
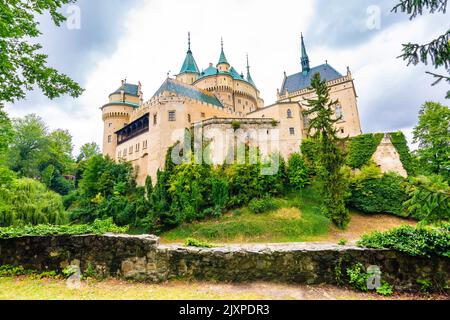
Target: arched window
x=289, y=113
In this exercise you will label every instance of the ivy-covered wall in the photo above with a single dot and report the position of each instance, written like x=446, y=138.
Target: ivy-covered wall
x=362, y=148
x=400, y=143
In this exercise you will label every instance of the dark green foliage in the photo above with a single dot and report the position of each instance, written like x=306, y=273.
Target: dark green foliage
x=6, y=132
x=437, y=50
x=362, y=148
x=401, y=144
x=330, y=153
x=378, y=194
x=433, y=135
x=29, y=202
x=309, y=151
x=298, y=172
x=262, y=205
x=429, y=199
x=421, y=241
x=357, y=277
x=22, y=64
x=219, y=193
x=97, y=227
x=191, y=242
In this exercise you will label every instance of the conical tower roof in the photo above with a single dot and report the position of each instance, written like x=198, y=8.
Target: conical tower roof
x=189, y=64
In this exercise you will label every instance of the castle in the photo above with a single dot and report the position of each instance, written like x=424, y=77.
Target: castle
x=215, y=99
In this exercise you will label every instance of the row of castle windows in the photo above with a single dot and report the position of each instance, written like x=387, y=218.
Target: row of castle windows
x=132, y=149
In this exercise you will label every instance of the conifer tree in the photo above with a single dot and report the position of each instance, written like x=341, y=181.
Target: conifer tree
x=330, y=153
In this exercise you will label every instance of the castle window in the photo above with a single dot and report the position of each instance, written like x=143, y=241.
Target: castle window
x=289, y=114
x=119, y=154
x=172, y=116
x=110, y=125
x=292, y=131
x=239, y=101
x=109, y=139
x=130, y=151
x=203, y=115
x=342, y=130
x=137, y=147
x=155, y=119
x=339, y=113
x=189, y=118
x=144, y=144
x=305, y=121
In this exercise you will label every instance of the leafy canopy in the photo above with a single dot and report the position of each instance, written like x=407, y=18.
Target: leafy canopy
x=22, y=65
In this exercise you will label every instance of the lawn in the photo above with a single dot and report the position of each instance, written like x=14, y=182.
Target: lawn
x=298, y=220
x=25, y=288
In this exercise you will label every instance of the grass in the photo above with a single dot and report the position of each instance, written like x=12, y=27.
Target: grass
x=298, y=219
x=26, y=288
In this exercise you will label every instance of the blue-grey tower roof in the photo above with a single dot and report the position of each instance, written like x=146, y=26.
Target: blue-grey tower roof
x=222, y=58
x=189, y=64
x=305, y=59
x=249, y=76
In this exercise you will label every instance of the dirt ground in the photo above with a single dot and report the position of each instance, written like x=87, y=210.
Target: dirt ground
x=24, y=288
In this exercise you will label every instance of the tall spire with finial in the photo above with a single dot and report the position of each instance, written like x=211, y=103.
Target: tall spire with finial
x=222, y=59
x=305, y=59
x=249, y=77
x=189, y=65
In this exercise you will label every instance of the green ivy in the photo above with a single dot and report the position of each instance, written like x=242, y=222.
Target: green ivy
x=421, y=241
x=400, y=143
x=362, y=148
x=98, y=227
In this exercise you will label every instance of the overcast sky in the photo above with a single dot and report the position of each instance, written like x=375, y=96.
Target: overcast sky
x=142, y=40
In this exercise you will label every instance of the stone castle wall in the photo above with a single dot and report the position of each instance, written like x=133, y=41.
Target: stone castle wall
x=142, y=258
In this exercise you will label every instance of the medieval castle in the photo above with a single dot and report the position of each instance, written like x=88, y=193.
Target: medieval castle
x=216, y=98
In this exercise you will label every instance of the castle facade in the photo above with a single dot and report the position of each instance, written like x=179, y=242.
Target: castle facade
x=216, y=99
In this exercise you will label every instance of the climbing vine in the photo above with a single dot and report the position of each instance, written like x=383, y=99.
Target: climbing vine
x=362, y=148
x=401, y=145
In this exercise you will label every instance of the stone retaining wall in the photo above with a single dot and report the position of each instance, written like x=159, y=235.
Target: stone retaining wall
x=143, y=258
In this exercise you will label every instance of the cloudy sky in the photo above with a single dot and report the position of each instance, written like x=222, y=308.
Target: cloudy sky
x=143, y=40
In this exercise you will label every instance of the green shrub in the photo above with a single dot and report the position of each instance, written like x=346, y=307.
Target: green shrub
x=98, y=227
x=191, y=242
x=28, y=201
x=385, y=289
x=342, y=242
x=420, y=241
x=429, y=199
x=262, y=205
x=358, y=277
x=400, y=143
x=384, y=194
x=362, y=148
x=298, y=173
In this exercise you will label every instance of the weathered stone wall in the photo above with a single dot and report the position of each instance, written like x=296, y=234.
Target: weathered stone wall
x=388, y=159
x=142, y=258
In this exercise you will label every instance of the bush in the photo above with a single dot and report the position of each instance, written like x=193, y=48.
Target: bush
x=421, y=241
x=191, y=242
x=98, y=227
x=262, y=205
x=373, y=193
x=298, y=173
x=429, y=199
x=28, y=201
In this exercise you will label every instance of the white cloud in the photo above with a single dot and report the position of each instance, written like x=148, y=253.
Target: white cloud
x=154, y=41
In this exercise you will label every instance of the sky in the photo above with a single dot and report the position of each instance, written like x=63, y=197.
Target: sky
x=106, y=41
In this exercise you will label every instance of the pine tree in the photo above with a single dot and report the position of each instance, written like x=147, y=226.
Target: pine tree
x=437, y=50
x=330, y=153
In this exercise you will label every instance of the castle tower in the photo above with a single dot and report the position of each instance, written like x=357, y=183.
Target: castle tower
x=116, y=114
x=189, y=72
x=304, y=59
x=223, y=65
x=249, y=76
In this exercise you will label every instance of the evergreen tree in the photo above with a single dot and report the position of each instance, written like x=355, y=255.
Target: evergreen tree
x=438, y=50
x=330, y=153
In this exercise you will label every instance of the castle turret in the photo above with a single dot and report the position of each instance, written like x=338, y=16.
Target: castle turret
x=116, y=114
x=223, y=65
x=189, y=72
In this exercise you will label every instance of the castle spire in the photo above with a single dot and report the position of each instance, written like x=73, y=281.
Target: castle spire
x=304, y=59
x=249, y=76
x=222, y=59
x=189, y=64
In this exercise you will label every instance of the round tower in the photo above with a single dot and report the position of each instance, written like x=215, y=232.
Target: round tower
x=223, y=65
x=117, y=113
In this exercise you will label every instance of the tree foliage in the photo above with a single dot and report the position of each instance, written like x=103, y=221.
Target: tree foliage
x=22, y=64
x=362, y=148
x=331, y=155
x=298, y=172
x=437, y=50
x=433, y=135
